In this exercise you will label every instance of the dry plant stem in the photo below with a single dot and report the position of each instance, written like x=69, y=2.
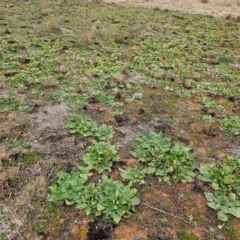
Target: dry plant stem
x=73, y=220
x=174, y=216
x=167, y=213
x=89, y=35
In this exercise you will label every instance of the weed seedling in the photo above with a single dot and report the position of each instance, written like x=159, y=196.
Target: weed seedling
x=100, y=156
x=88, y=127
x=231, y=126
x=133, y=175
x=225, y=182
x=8, y=103
x=80, y=125
x=168, y=162
x=104, y=132
x=208, y=119
x=109, y=198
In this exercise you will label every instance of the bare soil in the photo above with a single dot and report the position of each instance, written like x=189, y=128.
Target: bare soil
x=36, y=144
x=215, y=8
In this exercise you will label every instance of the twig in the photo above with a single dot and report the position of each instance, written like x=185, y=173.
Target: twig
x=175, y=216
x=167, y=213
x=68, y=232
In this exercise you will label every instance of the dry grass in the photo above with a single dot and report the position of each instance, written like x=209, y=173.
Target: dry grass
x=24, y=185
x=51, y=25
x=36, y=189
x=9, y=174
x=216, y=8
x=227, y=2
x=24, y=199
x=50, y=83
x=17, y=210
x=90, y=33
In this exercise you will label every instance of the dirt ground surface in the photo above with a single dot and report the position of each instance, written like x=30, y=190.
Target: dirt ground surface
x=216, y=8
x=134, y=70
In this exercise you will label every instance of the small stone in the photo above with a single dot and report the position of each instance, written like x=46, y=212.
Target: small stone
x=220, y=226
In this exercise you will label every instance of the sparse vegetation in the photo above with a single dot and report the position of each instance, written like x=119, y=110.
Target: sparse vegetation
x=184, y=235
x=230, y=233
x=97, y=98
x=225, y=182
x=231, y=126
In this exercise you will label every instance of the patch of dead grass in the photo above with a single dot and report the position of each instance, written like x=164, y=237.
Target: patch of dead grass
x=50, y=83
x=9, y=174
x=36, y=189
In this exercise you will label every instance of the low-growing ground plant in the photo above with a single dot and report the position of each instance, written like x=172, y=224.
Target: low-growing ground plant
x=116, y=113
x=69, y=185
x=100, y=156
x=208, y=119
x=8, y=103
x=134, y=174
x=176, y=165
x=207, y=102
x=168, y=162
x=109, y=198
x=231, y=126
x=104, y=132
x=225, y=182
x=81, y=125
x=88, y=128
x=148, y=147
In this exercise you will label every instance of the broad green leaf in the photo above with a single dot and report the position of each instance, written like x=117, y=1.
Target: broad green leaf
x=222, y=216
x=232, y=196
x=100, y=207
x=116, y=218
x=209, y=196
x=234, y=211
x=69, y=202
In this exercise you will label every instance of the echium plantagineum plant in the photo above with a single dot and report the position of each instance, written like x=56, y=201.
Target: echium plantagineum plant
x=170, y=163
x=225, y=182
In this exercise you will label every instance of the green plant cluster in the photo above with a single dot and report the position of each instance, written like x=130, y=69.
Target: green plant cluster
x=68, y=185
x=8, y=103
x=109, y=198
x=225, y=182
x=88, y=128
x=212, y=104
x=100, y=156
x=167, y=161
x=135, y=174
x=75, y=100
x=231, y=126
x=105, y=98
x=208, y=119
